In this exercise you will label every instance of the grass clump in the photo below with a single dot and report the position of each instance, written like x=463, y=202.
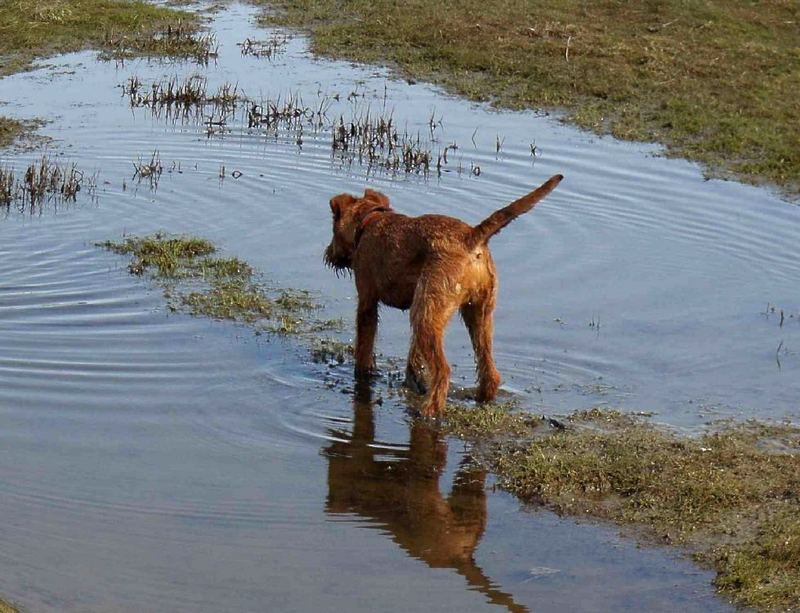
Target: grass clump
x=176, y=40
x=731, y=496
x=10, y=130
x=713, y=80
x=330, y=351
x=765, y=570
x=170, y=256
x=40, y=28
x=5, y=607
x=43, y=181
x=197, y=281
x=504, y=418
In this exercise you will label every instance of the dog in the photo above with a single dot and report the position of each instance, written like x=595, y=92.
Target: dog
x=432, y=265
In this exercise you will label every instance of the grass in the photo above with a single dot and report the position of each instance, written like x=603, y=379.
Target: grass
x=44, y=180
x=41, y=28
x=730, y=496
x=7, y=608
x=713, y=80
x=197, y=281
x=31, y=29
x=10, y=130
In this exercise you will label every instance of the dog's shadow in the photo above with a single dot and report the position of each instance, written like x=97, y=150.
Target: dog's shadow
x=397, y=490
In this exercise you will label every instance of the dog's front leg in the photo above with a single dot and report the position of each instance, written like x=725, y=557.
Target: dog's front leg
x=366, y=326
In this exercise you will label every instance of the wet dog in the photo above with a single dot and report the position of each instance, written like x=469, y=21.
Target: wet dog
x=433, y=265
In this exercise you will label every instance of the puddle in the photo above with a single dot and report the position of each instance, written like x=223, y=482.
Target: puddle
x=153, y=460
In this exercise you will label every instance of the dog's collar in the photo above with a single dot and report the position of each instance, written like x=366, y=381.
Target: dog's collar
x=368, y=219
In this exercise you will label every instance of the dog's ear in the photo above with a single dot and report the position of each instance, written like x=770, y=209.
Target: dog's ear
x=377, y=197
x=340, y=201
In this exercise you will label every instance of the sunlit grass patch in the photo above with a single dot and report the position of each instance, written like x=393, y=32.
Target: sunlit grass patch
x=170, y=256
x=499, y=418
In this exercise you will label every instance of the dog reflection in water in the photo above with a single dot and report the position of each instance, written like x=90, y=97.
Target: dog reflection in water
x=399, y=489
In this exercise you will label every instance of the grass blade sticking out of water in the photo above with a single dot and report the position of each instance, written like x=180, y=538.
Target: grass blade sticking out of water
x=269, y=48
x=44, y=181
x=730, y=496
x=174, y=40
x=184, y=99
x=197, y=281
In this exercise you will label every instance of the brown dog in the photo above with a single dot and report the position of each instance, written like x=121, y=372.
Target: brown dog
x=432, y=264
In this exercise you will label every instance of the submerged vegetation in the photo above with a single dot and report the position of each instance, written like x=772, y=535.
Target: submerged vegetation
x=366, y=137
x=197, y=281
x=715, y=81
x=175, y=40
x=43, y=181
x=268, y=48
x=730, y=496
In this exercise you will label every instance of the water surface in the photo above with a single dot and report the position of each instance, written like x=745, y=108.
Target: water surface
x=152, y=460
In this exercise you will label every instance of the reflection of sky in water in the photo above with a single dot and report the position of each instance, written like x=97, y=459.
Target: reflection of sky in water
x=151, y=459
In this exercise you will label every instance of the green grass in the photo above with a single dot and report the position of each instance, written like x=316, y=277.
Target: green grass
x=714, y=80
x=730, y=496
x=197, y=281
x=31, y=29
x=40, y=28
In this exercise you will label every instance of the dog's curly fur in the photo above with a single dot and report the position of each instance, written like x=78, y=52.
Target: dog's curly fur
x=433, y=265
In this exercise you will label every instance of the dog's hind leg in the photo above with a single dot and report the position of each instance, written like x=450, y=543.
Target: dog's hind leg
x=478, y=319
x=433, y=306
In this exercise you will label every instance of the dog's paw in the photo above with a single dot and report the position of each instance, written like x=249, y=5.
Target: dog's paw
x=366, y=374
x=414, y=382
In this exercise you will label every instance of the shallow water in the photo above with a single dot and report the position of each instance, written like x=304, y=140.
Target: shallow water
x=152, y=460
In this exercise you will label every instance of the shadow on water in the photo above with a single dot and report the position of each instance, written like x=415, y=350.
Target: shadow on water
x=398, y=490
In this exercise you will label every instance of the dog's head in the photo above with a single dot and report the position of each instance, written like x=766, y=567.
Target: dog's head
x=349, y=213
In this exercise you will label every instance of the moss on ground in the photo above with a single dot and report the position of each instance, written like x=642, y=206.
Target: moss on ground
x=714, y=80
x=197, y=281
x=7, y=608
x=730, y=496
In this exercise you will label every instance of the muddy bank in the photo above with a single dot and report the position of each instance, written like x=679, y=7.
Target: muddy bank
x=730, y=497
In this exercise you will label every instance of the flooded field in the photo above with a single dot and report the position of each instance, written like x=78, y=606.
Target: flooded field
x=152, y=460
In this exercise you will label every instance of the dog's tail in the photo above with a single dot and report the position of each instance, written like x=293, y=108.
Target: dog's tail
x=501, y=218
